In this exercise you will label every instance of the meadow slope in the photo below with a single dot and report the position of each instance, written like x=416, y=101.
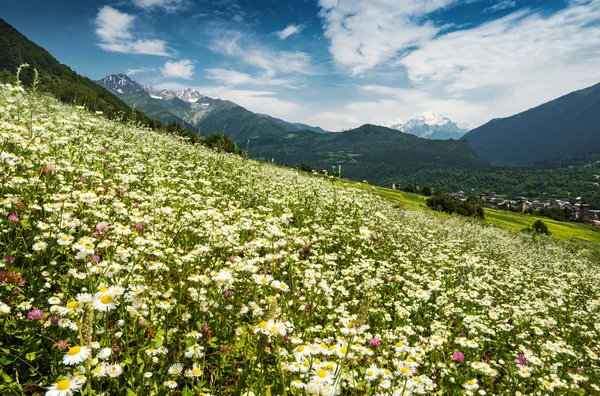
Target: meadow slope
x=136, y=263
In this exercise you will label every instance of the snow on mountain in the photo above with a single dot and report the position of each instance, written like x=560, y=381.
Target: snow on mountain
x=123, y=84
x=430, y=125
x=120, y=83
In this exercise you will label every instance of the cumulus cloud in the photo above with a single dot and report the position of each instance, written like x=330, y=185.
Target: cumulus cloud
x=113, y=29
x=272, y=62
x=515, y=62
x=289, y=31
x=365, y=34
x=231, y=77
x=182, y=69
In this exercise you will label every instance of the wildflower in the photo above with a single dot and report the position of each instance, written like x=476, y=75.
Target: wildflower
x=39, y=246
x=195, y=371
x=471, y=384
x=322, y=377
x=365, y=232
x=4, y=309
x=104, y=353
x=13, y=218
x=374, y=342
x=194, y=334
x=35, y=314
x=66, y=387
x=194, y=352
x=104, y=302
x=405, y=370
x=176, y=369
x=114, y=370
x=524, y=372
x=170, y=384
x=371, y=373
x=76, y=355
x=61, y=345
x=458, y=356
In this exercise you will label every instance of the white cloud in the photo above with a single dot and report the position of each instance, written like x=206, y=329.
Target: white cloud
x=131, y=72
x=233, y=77
x=365, y=34
x=289, y=31
x=167, y=5
x=501, y=5
x=256, y=101
x=113, y=25
x=113, y=28
x=182, y=69
x=513, y=63
x=272, y=62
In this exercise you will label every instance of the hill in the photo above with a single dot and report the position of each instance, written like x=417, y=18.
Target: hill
x=369, y=152
x=136, y=263
x=566, y=126
x=293, y=126
x=55, y=78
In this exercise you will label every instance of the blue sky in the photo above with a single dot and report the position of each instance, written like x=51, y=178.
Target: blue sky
x=333, y=63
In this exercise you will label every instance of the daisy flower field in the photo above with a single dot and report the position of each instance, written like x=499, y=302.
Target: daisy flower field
x=135, y=263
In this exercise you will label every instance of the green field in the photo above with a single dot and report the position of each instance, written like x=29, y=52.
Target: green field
x=508, y=220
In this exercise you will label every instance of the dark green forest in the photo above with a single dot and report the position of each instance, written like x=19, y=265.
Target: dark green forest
x=55, y=78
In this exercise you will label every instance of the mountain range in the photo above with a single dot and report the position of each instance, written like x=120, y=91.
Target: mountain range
x=369, y=152
x=569, y=125
x=185, y=107
x=430, y=125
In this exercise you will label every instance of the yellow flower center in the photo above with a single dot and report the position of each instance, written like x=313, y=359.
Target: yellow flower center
x=63, y=385
x=471, y=382
x=73, y=305
x=103, y=290
x=106, y=299
x=75, y=350
x=370, y=373
x=262, y=325
x=351, y=325
x=405, y=370
x=322, y=373
x=197, y=372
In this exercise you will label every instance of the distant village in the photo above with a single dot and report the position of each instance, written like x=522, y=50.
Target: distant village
x=578, y=211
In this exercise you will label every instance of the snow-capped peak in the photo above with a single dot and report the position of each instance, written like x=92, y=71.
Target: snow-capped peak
x=429, y=125
x=120, y=83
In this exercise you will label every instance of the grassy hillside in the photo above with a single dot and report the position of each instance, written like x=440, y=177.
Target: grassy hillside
x=160, y=110
x=55, y=78
x=369, y=152
x=135, y=263
x=512, y=221
x=565, y=126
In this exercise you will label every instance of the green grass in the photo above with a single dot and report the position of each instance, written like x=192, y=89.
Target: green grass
x=508, y=220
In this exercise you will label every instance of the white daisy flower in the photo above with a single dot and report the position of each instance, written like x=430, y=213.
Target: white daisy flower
x=66, y=387
x=76, y=355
